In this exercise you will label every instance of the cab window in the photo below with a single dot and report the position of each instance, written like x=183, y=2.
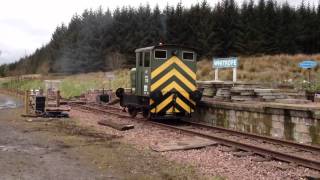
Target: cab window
x=160, y=54
x=188, y=56
x=147, y=59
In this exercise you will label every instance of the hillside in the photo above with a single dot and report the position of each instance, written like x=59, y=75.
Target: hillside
x=267, y=69
x=270, y=70
x=101, y=40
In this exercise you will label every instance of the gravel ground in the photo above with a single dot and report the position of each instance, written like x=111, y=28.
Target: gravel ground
x=210, y=161
x=59, y=149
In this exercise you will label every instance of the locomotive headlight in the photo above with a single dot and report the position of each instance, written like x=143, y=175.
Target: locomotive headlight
x=196, y=95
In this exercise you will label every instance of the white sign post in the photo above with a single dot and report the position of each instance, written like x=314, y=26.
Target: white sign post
x=216, y=74
x=110, y=76
x=234, y=77
x=220, y=63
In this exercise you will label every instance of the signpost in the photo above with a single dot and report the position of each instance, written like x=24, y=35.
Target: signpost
x=308, y=64
x=221, y=63
x=110, y=76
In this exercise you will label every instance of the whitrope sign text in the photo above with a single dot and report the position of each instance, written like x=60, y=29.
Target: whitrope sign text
x=220, y=63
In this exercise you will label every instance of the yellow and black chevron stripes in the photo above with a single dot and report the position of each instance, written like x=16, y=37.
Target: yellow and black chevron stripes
x=176, y=73
x=175, y=80
x=172, y=110
x=171, y=104
x=173, y=85
x=163, y=104
x=168, y=63
x=183, y=105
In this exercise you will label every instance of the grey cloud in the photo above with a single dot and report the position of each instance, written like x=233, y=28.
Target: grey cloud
x=10, y=56
x=24, y=26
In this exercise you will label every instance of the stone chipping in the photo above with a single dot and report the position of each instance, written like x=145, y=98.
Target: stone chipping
x=210, y=161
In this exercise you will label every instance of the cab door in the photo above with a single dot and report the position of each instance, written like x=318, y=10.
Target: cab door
x=146, y=73
x=139, y=71
x=143, y=73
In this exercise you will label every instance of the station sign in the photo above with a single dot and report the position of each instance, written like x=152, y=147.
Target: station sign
x=219, y=63
x=308, y=64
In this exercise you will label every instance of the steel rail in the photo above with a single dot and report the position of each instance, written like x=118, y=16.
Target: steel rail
x=248, y=147
x=310, y=163
x=104, y=106
x=99, y=110
x=304, y=147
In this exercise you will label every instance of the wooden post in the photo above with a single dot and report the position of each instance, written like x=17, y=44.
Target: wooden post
x=26, y=102
x=58, y=98
x=41, y=92
x=216, y=74
x=47, y=97
x=234, y=75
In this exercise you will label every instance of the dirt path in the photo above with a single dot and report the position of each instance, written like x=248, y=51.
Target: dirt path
x=58, y=149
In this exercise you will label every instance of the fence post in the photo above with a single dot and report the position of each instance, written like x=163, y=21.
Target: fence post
x=26, y=102
x=58, y=98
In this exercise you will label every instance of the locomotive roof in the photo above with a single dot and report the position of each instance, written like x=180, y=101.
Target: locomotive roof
x=164, y=46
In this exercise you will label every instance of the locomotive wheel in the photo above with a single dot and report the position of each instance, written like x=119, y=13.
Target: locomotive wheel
x=146, y=113
x=132, y=111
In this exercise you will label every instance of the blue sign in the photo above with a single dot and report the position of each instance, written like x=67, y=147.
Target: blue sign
x=308, y=64
x=225, y=62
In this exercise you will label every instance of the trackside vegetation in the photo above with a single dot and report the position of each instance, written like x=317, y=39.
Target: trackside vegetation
x=283, y=70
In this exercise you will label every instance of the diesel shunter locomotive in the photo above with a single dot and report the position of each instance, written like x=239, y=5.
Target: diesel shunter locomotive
x=163, y=84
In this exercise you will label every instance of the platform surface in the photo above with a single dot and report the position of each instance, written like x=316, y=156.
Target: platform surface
x=314, y=106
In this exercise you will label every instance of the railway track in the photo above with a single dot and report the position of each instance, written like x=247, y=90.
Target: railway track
x=288, y=151
x=304, y=147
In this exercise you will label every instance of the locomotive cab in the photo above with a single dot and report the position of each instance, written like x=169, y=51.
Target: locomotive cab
x=163, y=82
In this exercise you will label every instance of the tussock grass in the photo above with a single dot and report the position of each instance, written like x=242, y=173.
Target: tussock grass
x=75, y=85
x=264, y=69
x=22, y=84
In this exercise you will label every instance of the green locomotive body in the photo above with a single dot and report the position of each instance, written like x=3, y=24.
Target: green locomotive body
x=163, y=82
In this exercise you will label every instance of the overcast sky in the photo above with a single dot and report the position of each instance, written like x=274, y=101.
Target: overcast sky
x=28, y=24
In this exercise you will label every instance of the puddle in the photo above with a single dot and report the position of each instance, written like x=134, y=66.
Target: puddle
x=7, y=102
x=23, y=149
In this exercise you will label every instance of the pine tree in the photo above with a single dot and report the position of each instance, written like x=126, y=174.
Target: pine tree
x=227, y=29
x=249, y=40
x=287, y=31
x=269, y=28
x=84, y=44
x=200, y=28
